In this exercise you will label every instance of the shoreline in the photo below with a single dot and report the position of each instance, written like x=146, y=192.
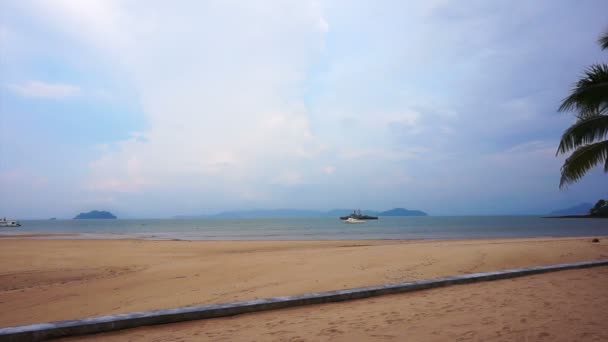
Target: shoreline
x=111, y=236
x=577, y=216
x=326, y=229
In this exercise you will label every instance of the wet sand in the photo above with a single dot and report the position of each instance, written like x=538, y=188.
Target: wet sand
x=47, y=280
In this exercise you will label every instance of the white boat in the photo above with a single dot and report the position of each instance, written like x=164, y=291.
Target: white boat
x=353, y=220
x=9, y=223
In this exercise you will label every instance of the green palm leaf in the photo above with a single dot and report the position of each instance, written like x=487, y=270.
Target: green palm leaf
x=587, y=137
x=590, y=94
x=584, y=132
x=582, y=160
x=604, y=41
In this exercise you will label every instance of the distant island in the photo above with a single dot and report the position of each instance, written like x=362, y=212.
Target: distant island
x=579, y=209
x=293, y=213
x=95, y=214
x=583, y=210
x=402, y=212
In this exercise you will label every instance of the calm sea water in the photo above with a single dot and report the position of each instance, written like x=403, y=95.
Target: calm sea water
x=431, y=227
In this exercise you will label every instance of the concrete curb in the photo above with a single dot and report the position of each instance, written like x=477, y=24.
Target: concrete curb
x=44, y=331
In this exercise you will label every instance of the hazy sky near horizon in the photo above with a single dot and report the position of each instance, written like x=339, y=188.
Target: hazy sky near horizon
x=162, y=108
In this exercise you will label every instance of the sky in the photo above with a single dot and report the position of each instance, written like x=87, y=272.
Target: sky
x=162, y=108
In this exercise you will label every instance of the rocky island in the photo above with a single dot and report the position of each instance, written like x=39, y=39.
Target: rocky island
x=95, y=214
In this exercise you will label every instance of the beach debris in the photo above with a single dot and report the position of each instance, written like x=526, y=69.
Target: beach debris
x=596, y=240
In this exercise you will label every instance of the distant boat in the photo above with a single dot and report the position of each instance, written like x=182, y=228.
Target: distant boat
x=358, y=216
x=9, y=223
x=353, y=220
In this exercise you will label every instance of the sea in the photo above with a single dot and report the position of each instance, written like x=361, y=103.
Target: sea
x=427, y=227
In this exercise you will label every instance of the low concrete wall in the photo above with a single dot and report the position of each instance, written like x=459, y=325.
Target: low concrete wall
x=44, y=331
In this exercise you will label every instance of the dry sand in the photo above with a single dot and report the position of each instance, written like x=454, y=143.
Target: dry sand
x=562, y=306
x=47, y=280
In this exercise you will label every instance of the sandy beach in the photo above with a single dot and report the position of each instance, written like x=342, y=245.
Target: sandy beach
x=47, y=280
x=562, y=306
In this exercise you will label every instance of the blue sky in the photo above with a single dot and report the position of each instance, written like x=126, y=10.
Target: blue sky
x=156, y=108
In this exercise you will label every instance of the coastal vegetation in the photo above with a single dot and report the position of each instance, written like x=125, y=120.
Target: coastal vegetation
x=600, y=209
x=586, y=138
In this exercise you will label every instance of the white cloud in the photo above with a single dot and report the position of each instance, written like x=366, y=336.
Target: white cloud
x=222, y=100
x=323, y=25
x=95, y=22
x=22, y=178
x=382, y=154
x=329, y=169
x=288, y=178
x=44, y=90
x=243, y=100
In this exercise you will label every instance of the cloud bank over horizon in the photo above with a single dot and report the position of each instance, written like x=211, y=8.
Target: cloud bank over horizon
x=155, y=109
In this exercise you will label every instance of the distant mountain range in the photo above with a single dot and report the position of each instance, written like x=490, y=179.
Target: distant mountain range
x=402, y=212
x=286, y=213
x=580, y=209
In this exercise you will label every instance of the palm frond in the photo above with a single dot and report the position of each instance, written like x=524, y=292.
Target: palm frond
x=604, y=41
x=584, y=132
x=590, y=93
x=582, y=160
x=601, y=110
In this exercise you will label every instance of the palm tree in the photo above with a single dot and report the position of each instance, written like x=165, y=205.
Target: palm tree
x=604, y=41
x=587, y=136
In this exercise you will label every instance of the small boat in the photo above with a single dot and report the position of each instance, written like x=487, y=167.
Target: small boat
x=9, y=223
x=359, y=216
x=353, y=220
